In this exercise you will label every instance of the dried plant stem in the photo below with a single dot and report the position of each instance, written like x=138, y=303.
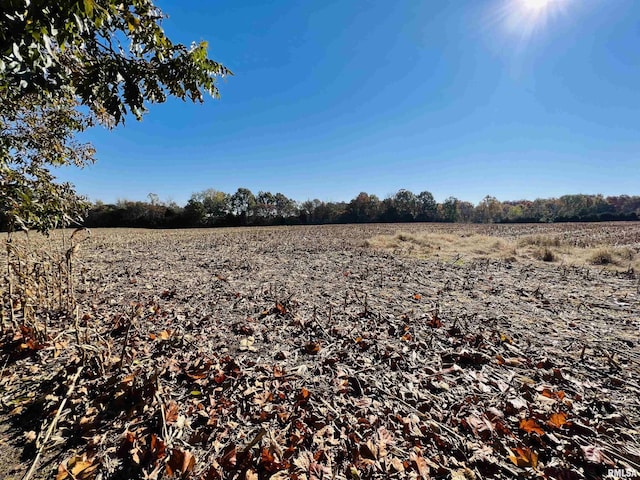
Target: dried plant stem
x=71, y=303
x=3, y=317
x=53, y=424
x=261, y=433
x=12, y=312
x=165, y=431
x=78, y=341
x=584, y=347
x=366, y=310
x=124, y=345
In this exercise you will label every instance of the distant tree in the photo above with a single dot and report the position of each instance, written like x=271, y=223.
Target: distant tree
x=374, y=209
x=544, y=210
x=625, y=206
x=363, y=208
x=489, y=210
x=329, y=212
x=308, y=210
x=154, y=199
x=243, y=203
x=450, y=210
x=285, y=207
x=427, y=207
x=523, y=212
x=513, y=212
x=138, y=214
x=194, y=213
x=265, y=205
x=599, y=205
x=406, y=205
x=389, y=210
x=572, y=206
x=216, y=204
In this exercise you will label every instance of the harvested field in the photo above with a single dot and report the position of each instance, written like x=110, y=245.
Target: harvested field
x=370, y=351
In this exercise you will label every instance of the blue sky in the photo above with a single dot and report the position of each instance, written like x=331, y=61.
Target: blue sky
x=331, y=98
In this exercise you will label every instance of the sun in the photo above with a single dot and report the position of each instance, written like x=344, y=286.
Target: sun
x=536, y=5
x=522, y=19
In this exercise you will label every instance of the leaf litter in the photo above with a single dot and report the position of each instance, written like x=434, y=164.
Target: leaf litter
x=305, y=353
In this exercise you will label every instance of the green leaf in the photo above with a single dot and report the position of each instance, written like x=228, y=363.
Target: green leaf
x=88, y=7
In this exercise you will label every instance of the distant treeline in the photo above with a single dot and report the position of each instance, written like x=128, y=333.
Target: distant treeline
x=212, y=208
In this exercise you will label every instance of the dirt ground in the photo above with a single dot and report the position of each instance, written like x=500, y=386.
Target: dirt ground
x=372, y=351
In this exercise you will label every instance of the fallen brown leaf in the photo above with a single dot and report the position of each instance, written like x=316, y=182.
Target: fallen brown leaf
x=312, y=348
x=524, y=457
x=77, y=468
x=529, y=425
x=421, y=465
x=180, y=462
x=557, y=420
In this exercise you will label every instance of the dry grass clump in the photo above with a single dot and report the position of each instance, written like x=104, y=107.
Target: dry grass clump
x=541, y=241
x=626, y=253
x=445, y=246
x=601, y=256
x=623, y=256
x=408, y=237
x=545, y=255
x=469, y=246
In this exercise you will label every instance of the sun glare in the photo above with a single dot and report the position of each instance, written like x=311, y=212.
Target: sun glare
x=521, y=19
x=536, y=5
